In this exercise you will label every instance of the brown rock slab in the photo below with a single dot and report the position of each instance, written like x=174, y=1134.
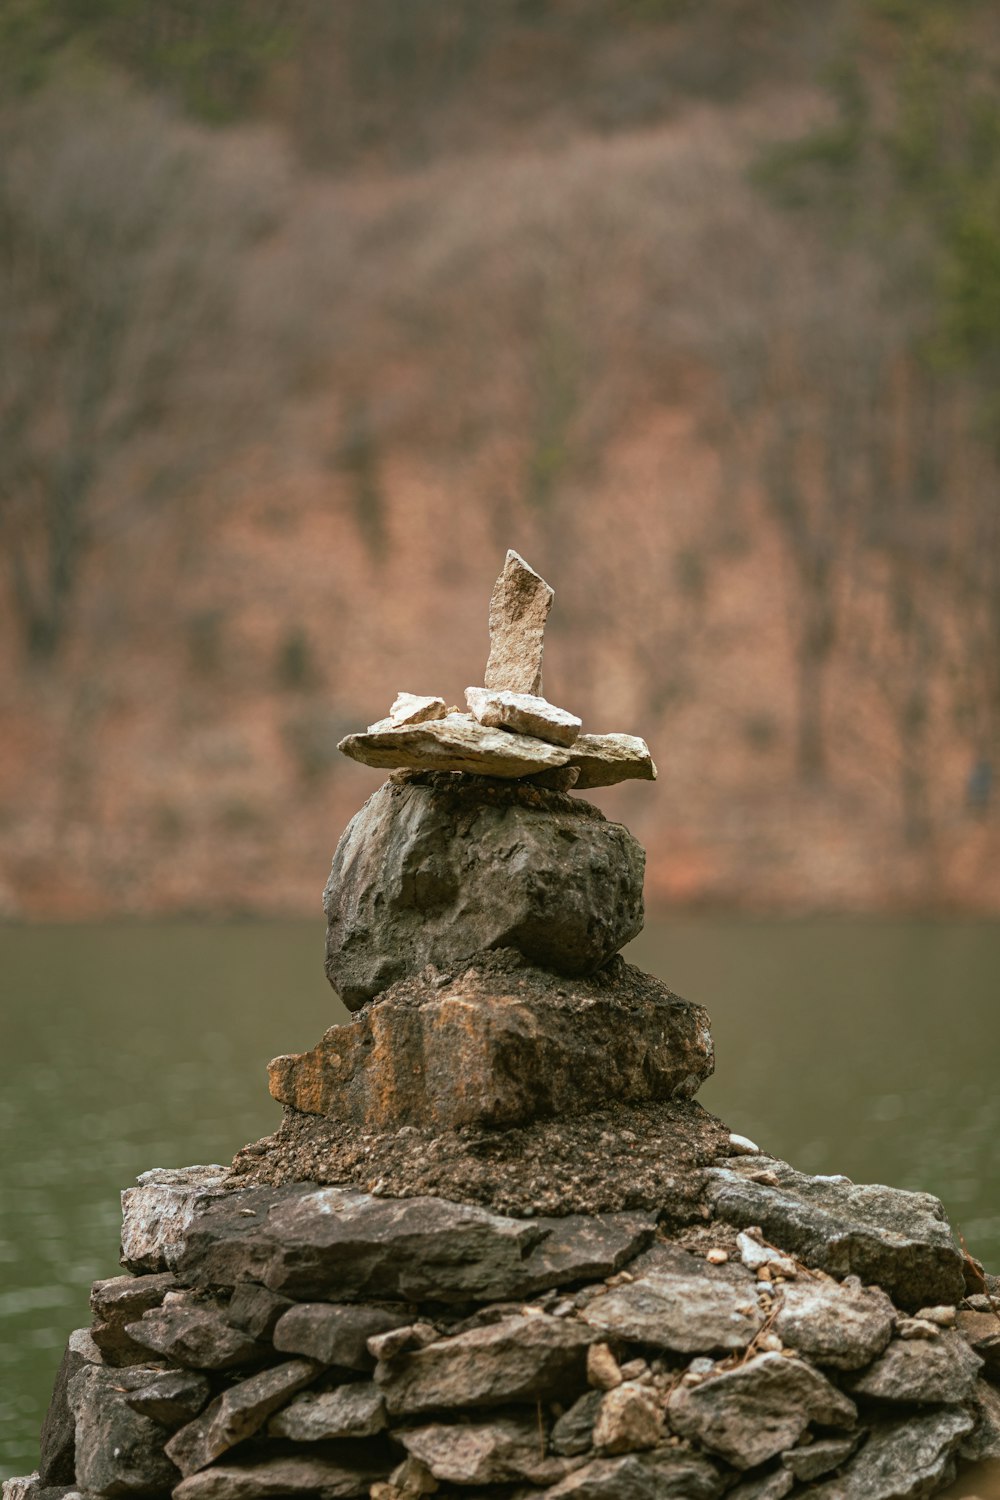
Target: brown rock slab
x=984, y=1440
x=684, y=1304
x=238, y=1413
x=435, y=869
x=607, y=759
x=840, y=1324
x=753, y=1412
x=523, y=713
x=664, y=1474
x=816, y=1459
x=519, y=608
x=57, y=1442
x=519, y=1359
x=981, y=1331
x=630, y=1420
x=902, y=1460
x=504, y=1449
x=341, y=1411
x=458, y=742
x=337, y=1473
x=120, y=1300
x=170, y=1396
x=157, y=1211
x=468, y=1058
x=256, y=1310
x=336, y=1333
x=118, y=1451
x=921, y=1372
x=196, y=1334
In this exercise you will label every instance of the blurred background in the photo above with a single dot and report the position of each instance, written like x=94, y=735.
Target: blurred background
x=308, y=310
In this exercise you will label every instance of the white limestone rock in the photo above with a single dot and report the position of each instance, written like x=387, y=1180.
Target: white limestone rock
x=523, y=713
x=458, y=742
x=606, y=759
x=519, y=608
x=410, y=708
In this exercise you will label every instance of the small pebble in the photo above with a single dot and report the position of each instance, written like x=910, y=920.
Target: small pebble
x=717, y=1257
x=916, y=1328
x=702, y=1365
x=943, y=1316
x=770, y=1342
x=619, y=1279
x=603, y=1372
x=766, y=1178
x=743, y=1146
x=634, y=1369
x=563, y=1309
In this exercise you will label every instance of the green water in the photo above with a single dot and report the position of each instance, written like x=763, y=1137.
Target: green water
x=866, y=1048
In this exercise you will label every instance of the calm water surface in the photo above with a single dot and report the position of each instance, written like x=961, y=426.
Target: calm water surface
x=865, y=1048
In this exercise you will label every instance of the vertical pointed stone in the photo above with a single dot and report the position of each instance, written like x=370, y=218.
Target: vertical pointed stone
x=519, y=607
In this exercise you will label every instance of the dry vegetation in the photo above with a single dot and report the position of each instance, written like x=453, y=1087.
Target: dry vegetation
x=276, y=392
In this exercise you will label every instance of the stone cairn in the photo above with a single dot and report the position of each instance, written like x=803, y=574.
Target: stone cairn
x=495, y=1247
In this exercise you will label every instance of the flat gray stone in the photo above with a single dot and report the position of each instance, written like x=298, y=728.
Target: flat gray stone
x=523, y=713
x=664, y=1474
x=341, y=1411
x=901, y=1241
x=156, y=1212
x=774, y=1485
x=458, y=742
x=57, y=1442
x=171, y=1397
x=921, y=1371
x=519, y=608
x=336, y=1333
x=337, y=1473
x=606, y=759
x=239, y=1412
x=118, y=1451
x=817, y=1459
x=120, y=1300
x=839, y=1324
x=757, y=1410
x=504, y=1449
x=520, y=1359
x=432, y=872
x=902, y=1460
x=684, y=1304
x=337, y=1243
x=196, y=1334
x=983, y=1442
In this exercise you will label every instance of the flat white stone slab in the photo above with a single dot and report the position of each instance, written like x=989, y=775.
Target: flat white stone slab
x=458, y=742
x=523, y=713
x=606, y=759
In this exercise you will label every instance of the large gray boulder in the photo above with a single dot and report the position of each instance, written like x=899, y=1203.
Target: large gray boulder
x=439, y=867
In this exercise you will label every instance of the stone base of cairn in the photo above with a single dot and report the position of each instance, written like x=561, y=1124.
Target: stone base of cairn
x=496, y=1248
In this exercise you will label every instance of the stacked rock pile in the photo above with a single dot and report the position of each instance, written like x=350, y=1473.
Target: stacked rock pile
x=496, y=1248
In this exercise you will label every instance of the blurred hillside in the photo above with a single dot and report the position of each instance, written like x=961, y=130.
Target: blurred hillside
x=309, y=310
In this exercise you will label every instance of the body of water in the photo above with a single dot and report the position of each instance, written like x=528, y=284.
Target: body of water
x=868, y=1048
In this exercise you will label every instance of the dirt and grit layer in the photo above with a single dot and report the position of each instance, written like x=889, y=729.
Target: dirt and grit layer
x=623, y=1157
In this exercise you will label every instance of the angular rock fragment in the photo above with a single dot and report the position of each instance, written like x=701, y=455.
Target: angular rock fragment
x=410, y=708
x=339, y=1243
x=574, y=1431
x=256, y=1310
x=818, y=1458
x=156, y=1212
x=981, y=1332
x=57, y=1442
x=684, y=1304
x=336, y=1333
x=341, y=1411
x=458, y=742
x=435, y=870
x=984, y=1440
x=899, y=1240
x=606, y=759
x=901, y=1460
x=519, y=608
x=775, y=1484
x=520, y=1359
x=664, y=1474
x=921, y=1371
x=120, y=1300
x=118, y=1451
x=839, y=1324
x=336, y=1473
x=603, y=1370
x=630, y=1420
x=583, y=1247
x=753, y=1412
x=196, y=1334
x=238, y=1413
x=170, y=1397
x=504, y=1449
x=477, y=1051
x=523, y=713
x=754, y=1254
